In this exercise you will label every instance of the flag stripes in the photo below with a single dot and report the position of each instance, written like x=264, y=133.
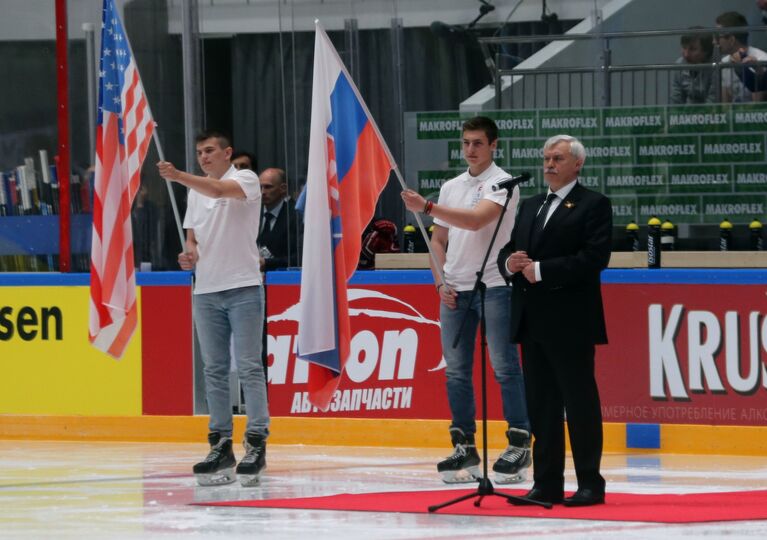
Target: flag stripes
x=123, y=135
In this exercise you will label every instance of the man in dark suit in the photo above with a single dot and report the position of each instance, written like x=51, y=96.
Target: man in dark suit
x=280, y=236
x=559, y=245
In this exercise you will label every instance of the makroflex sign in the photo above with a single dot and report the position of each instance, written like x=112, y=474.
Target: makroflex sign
x=692, y=164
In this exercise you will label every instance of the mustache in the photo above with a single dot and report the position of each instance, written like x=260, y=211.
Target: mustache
x=549, y=170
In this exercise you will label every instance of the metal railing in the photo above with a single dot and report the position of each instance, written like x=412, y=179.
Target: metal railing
x=602, y=84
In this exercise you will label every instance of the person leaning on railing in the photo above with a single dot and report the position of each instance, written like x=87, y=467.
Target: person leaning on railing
x=736, y=49
x=694, y=85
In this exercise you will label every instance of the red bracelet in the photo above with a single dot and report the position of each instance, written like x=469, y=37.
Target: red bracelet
x=427, y=207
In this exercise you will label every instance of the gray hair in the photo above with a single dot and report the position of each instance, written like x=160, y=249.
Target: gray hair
x=576, y=147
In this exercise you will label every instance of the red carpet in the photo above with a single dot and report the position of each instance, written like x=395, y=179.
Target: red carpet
x=688, y=508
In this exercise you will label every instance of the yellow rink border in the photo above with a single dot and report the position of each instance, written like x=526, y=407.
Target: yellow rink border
x=675, y=439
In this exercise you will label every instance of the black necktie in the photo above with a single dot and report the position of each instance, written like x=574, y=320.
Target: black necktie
x=540, y=219
x=268, y=221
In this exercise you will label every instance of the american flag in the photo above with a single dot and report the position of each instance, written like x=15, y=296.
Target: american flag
x=123, y=133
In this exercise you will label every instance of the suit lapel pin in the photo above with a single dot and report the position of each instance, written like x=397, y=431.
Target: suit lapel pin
x=569, y=204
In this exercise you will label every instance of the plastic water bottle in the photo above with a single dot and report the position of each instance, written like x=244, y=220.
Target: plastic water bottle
x=667, y=236
x=632, y=233
x=653, y=243
x=757, y=243
x=408, y=238
x=725, y=235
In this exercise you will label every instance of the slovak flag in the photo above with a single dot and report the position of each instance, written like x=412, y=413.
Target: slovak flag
x=349, y=165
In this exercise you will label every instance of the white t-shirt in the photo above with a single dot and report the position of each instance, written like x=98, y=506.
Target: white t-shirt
x=466, y=248
x=731, y=81
x=226, y=231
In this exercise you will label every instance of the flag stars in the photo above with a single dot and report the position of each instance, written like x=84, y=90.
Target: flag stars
x=107, y=52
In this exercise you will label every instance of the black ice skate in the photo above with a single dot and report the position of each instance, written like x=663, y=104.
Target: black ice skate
x=463, y=465
x=218, y=468
x=510, y=467
x=250, y=468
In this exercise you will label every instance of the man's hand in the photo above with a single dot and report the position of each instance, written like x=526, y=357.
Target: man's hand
x=167, y=170
x=413, y=201
x=447, y=296
x=740, y=56
x=529, y=272
x=518, y=261
x=187, y=259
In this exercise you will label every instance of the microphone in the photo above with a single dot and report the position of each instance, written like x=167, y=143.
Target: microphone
x=511, y=181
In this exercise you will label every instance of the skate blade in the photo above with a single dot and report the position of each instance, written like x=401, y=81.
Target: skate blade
x=516, y=478
x=249, y=480
x=219, y=478
x=462, y=476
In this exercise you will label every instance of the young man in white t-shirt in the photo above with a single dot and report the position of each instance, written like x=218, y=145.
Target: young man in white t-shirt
x=735, y=48
x=222, y=220
x=464, y=220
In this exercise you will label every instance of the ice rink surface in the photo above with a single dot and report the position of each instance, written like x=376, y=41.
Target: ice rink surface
x=52, y=490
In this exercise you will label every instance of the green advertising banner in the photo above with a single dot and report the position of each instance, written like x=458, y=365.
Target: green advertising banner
x=751, y=178
x=634, y=120
x=736, y=208
x=699, y=119
x=749, y=117
x=692, y=164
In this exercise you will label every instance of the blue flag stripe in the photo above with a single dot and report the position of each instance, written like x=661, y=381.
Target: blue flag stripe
x=349, y=119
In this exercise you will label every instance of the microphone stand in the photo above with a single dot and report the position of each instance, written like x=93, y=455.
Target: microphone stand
x=485, y=487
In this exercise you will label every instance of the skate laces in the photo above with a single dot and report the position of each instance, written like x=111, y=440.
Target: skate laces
x=215, y=452
x=252, y=453
x=460, y=451
x=513, y=454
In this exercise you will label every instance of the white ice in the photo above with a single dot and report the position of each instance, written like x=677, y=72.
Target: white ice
x=53, y=490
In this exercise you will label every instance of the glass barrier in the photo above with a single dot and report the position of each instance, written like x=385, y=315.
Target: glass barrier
x=245, y=67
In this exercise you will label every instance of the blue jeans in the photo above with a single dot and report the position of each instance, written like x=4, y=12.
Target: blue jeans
x=235, y=315
x=504, y=358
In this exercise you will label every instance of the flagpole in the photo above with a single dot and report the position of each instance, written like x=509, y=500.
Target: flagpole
x=161, y=155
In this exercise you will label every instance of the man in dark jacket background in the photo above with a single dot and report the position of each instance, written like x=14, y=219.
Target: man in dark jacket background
x=280, y=237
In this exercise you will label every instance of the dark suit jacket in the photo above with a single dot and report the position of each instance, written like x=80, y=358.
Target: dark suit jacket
x=284, y=240
x=573, y=249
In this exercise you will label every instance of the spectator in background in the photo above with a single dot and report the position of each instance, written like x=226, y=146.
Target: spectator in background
x=244, y=160
x=762, y=4
x=146, y=230
x=694, y=85
x=280, y=237
x=736, y=50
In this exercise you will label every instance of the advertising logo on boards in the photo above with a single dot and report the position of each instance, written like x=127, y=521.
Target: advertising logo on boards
x=395, y=369
x=684, y=354
x=395, y=363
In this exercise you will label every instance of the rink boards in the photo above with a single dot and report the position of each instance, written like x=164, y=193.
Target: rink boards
x=684, y=370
